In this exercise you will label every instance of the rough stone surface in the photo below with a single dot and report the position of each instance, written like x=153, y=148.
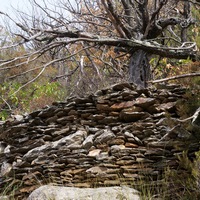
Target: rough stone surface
x=95, y=141
x=70, y=193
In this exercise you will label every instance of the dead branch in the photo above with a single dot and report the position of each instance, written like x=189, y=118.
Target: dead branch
x=176, y=77
x=133, y=26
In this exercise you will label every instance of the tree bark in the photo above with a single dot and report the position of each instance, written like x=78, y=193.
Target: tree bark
x=139, y=68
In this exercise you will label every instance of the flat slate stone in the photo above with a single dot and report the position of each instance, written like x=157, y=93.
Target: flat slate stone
x=133, y=116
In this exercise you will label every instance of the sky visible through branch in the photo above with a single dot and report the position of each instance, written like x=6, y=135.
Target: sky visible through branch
x=8, y=5
x=11, y=7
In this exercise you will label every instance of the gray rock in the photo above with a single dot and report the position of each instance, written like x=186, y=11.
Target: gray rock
x=5, y=168
x=97, y=170
x=134, y=138
x=144, y=102
x=4, y=198
x=17, y=117
x=88, y=142
x=94, y=153
x=71, y=193
x=104, y=137
x=77, y=137
x=2, y=122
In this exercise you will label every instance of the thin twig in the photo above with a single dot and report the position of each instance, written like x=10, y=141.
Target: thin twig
x=6, y=103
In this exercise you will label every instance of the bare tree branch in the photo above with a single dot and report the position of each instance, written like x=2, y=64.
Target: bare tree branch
x=176, y=77
x=137, y=29
x=174, y=52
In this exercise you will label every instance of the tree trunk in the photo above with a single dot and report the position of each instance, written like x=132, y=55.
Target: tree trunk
x=139, y=68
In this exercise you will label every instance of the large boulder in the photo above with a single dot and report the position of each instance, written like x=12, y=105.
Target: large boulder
x=71, y=193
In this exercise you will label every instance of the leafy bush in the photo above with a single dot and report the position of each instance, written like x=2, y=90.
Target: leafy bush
x=29, y=98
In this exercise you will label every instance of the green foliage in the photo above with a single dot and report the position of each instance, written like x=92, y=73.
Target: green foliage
x=53, y=88
x=191, y=102
x=29, y=98
x=45, y=95
x=4, y=115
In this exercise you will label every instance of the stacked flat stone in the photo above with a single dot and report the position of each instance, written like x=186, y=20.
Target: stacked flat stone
x=119, y=135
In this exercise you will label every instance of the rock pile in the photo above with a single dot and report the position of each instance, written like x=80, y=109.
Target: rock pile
x=116, y=136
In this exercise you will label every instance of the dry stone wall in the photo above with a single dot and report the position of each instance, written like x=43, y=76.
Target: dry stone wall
x=119, y=135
